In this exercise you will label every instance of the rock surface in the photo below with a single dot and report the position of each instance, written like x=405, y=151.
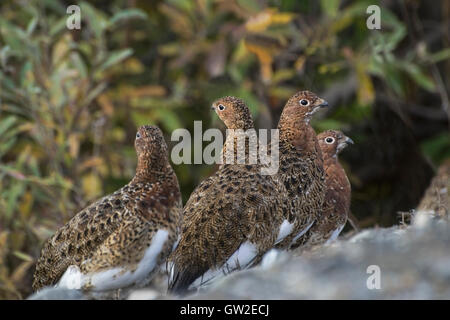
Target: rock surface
x=413, y=261
x=51, y=293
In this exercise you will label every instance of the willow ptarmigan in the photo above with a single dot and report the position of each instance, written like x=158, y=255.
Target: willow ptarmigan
x=122, y=239
x=437, y=196
x=336, y=205
x=232, y=218
x=301, y=166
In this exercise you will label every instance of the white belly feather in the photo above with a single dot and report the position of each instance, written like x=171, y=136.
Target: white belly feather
x=118, y=277
x=240, y=259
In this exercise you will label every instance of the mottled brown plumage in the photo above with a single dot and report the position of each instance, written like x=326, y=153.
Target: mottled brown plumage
x=111, y=236
x=301, y=165
x=437, y=196
x=233, y=213
x=336, y=205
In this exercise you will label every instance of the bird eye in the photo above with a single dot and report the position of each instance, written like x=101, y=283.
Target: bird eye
x=138, y=135
x=329, y=140
x=221, y=107
x=304, y=102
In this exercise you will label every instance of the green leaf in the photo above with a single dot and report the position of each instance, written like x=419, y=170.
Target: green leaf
x=14, y=37
x=392, y=74
x=330, y=7
x=419, y=76
x=26, y=68
x=94, y=93
x=250, y=5
x=57, y=27
x=96, y=19
x=6, y=146
x=79, y=60
x=438, y=147
x=126, y=15
x=15, y=191
x=6, y=124
x=184, y=5
x=32, y=25
x=23, y=256
x=115, y=58
x=441, y=55
x=168, y=118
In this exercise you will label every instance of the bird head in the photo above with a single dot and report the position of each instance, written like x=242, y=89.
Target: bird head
x=233, y=112
x=303, y=105
x=332, y=142
x=150, y=142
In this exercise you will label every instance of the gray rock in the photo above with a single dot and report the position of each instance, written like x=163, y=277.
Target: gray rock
x=413, y=262
x=52, y=293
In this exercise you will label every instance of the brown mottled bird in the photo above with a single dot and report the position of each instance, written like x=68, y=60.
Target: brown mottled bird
x=232, y=218
x=437, y=196
x=336, y=205
x=122, y=239
x=301, y=166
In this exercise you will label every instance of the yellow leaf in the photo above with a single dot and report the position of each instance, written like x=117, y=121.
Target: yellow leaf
x=23, y=256
x=179, y=21
x=3, y=246
x=265, y=60
x=170, y=49
x=74, y=145
x=264, y=48
x=283, y=75
x=331, y=67
x=260, y=22
x=299, y=63
x=266, y=18
x=118, y=134
x=134, y=66
x=27, y=126
x=16, y=240
x=21, y=272
x=312, y=48
x=282, y=18
x=92, y=186
x=106, y=104
x=90, y=163
x=61, y=48
x=366, y=92
x=125, y=93
x=240, y=53
x=343, y=20
x=25, y=205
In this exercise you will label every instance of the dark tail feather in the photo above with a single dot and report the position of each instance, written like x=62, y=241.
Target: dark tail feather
x=182, y=279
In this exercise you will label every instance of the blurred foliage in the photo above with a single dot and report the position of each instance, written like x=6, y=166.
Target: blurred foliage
x=71, y=99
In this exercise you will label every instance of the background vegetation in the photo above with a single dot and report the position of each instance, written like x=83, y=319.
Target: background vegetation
x=70, y=100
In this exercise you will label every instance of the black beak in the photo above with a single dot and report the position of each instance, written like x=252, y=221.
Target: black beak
x=324, y=104
x=349, y=141
x=212, y=107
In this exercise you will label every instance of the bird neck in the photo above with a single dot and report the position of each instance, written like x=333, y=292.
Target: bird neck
x=298, y=134
x=330, y=161
x=150, y=169
x=240, y=142
x=336, y=176
x=247, y=124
